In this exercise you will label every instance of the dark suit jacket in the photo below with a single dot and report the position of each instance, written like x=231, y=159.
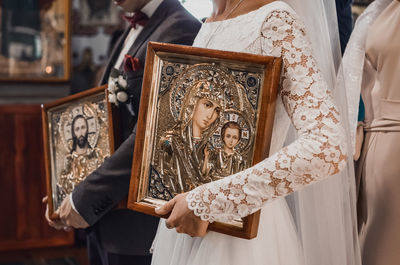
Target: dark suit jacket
x=345, y=21
x=124, y=231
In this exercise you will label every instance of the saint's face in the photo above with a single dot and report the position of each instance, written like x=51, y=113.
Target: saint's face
x=231, y=137
x=131, y=5
x=81, y=131
x=205, y=113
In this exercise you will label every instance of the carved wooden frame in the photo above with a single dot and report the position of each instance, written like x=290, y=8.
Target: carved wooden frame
x=49, y=132
x=138, y=199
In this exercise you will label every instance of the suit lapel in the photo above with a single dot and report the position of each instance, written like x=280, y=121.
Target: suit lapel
x=153, y=23
x=114, y=56
x=155, y=20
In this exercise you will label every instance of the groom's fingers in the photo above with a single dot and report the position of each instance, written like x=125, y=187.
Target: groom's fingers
x=166, y=208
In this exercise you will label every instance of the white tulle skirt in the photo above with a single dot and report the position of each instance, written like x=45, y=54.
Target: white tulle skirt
x=276, y=244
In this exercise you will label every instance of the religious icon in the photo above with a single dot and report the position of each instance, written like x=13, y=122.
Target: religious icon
x=77, y=140
x=203, y=114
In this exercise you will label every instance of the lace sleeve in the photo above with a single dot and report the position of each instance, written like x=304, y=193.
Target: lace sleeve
x=317, y=153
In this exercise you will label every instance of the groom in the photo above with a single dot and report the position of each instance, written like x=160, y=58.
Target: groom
x=123, y=236
x=345, y=21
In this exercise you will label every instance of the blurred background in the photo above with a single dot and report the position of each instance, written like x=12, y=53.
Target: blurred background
x=62, y=61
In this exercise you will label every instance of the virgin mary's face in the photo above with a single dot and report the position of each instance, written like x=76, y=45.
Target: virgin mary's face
x=205, y=113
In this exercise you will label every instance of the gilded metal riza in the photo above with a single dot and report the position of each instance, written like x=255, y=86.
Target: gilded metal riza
x=205, y=127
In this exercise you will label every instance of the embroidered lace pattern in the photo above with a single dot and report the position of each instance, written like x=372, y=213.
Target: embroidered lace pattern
x=319, y=150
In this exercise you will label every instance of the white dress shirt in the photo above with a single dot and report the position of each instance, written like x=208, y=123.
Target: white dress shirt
x=149, y=10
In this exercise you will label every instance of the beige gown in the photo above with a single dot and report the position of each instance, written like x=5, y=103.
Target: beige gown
x=379, y=166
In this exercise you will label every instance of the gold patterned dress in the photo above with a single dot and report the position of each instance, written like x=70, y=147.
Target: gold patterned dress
x=378, y=169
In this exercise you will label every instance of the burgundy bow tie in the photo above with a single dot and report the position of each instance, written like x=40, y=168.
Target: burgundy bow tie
x=139, y=18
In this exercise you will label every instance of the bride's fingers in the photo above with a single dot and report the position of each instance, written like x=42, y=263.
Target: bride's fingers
x=177, y=208
x=168, y=225
x=179, y=230
x=202, y=229
x=193, y=230
x=166, y=208
x=196, y=228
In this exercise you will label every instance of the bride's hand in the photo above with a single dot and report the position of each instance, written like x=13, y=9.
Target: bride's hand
x=181, y=218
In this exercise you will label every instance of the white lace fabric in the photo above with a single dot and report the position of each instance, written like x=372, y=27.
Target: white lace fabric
x=319, y=150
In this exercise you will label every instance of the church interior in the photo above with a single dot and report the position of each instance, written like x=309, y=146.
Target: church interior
x=55, y=49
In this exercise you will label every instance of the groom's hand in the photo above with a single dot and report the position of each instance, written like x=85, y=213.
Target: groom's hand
x=181, y=218
x=69, y=216
x=55, y=222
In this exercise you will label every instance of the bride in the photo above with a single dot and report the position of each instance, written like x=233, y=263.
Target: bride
x=313, y=226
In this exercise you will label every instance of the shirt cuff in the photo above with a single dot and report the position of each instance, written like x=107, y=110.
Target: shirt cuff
x=72, y=204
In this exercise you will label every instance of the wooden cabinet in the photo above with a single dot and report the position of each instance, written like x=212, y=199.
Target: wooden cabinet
x=23, y=183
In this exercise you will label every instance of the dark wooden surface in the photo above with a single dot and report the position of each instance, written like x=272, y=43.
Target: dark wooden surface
x=72, y=255
x=23, y=183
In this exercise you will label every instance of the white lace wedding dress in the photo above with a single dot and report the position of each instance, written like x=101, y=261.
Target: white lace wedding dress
x=273, y=30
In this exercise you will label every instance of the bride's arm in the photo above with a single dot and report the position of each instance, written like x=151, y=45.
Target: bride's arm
x=319, y=150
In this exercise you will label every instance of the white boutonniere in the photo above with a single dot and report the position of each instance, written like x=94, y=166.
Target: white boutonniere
x=117, y=88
